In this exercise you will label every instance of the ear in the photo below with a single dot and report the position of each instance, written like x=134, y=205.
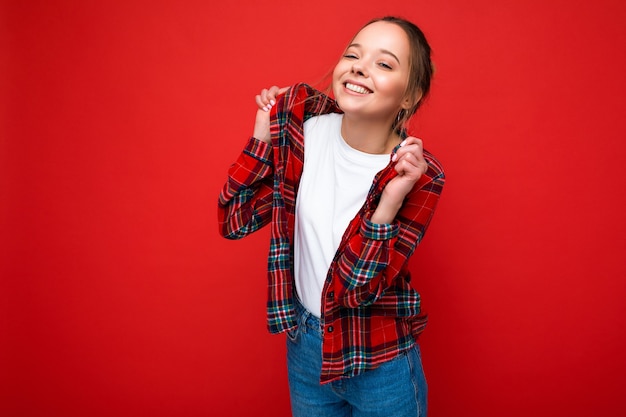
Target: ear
x=410, y=102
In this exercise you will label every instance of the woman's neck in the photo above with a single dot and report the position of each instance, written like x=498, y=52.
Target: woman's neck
x=371, y=137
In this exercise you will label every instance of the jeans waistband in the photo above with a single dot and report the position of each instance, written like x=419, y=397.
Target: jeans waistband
x=306, y=318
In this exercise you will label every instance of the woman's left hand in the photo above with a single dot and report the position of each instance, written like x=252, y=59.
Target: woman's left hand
x=410, y=166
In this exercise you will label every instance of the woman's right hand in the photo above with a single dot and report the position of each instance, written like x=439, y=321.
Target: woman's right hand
x=265, y=101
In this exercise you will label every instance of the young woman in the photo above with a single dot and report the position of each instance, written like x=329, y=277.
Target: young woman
x=348, y=196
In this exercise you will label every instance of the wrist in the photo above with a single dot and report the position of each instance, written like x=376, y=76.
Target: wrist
x=386, y=211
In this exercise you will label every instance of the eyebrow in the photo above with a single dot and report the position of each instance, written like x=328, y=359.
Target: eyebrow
x=384, y=51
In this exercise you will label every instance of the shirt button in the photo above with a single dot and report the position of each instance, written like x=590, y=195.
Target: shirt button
x=330, y=329
x=331, y=294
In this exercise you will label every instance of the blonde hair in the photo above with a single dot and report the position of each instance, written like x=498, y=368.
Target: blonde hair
x=421, y=69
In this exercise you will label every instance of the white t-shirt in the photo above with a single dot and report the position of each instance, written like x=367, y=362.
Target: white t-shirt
x=334, y=184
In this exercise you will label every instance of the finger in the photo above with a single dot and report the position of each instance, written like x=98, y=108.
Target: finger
x=264, y=96
x=269, y=97
x=412, y=149
x=415, y=161
x=417, y=151
x=264, y=101
x=412, y=140
x=412, y=161
x=404, y=167
x=410, y=171
x=263, y=104
x=273, y=91
x=410, y=145
x=415, y=165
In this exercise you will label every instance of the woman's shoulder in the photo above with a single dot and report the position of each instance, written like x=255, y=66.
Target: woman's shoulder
x=303, y=87
x=301, y=91
x=434, y=165
x=308, y=100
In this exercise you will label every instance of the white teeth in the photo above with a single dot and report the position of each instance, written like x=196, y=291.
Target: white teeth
x=357, y=88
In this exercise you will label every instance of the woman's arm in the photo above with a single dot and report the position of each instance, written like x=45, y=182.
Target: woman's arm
x=378, y=254
x=245, y=202
x=410, y=166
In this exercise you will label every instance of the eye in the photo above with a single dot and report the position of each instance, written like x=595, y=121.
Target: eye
x=385, y=65
x=350, y=56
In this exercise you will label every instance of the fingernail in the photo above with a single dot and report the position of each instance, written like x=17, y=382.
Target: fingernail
x=394, y=157
x=403, y=142
x=272, y=102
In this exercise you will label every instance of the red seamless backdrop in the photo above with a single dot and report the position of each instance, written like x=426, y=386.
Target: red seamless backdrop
x=118, y=122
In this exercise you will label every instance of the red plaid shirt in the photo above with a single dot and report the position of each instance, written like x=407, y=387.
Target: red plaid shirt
x=370, y=312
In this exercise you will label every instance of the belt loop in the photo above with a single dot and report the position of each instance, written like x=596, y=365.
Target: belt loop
x=302, y=315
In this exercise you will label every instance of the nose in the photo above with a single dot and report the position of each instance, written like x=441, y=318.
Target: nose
x=358, y=68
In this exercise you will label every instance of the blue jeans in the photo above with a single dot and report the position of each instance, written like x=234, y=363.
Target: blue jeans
x=395, y=389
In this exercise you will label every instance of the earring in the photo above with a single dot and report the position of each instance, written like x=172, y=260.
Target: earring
x=399, y=117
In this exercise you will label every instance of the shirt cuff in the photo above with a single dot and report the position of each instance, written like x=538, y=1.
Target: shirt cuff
x=259, y=150
x=379, y=231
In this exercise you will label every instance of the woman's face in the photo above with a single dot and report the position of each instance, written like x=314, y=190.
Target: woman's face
x=370, y=80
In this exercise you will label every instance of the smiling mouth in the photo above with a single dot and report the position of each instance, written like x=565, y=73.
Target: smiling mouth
x=357, y=88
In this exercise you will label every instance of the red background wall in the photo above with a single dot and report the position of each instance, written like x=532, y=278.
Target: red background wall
x=119, y=120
